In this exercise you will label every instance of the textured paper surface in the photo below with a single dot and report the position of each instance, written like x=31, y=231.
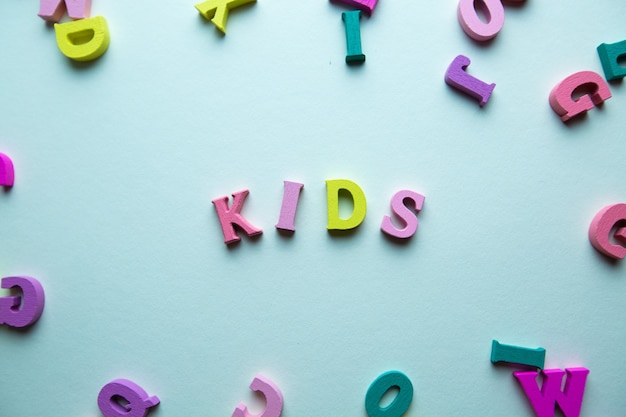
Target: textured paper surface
x=117, y=163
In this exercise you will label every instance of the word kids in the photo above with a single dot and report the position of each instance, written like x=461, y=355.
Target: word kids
x=405, y=204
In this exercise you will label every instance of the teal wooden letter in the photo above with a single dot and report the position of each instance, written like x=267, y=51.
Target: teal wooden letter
x=609, y=57
x=517, y=354
x=353, y=36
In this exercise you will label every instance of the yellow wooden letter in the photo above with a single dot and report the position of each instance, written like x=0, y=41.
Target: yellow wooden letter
x=83, y=40
x=358, y=198
x=217, y=11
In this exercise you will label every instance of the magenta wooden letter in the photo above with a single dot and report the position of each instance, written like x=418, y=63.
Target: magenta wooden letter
x=365, y=5
x=543, y=401
x=7, y=174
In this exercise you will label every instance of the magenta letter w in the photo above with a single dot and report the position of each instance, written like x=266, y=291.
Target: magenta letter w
x=569, y=400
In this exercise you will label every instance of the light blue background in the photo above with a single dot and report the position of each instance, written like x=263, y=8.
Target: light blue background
x=117, y=163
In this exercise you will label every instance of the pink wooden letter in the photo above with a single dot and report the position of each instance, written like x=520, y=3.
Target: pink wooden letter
x=22, y=311
x=289, y=206
x=404, y=213
x=232, y=217
x=52, y=10
x=273, y=399
x=124, y=398
x=474, y=26
x=620, y=235
x=561, y=95
x=459, y=79
x=543, y=402
x=600, y=230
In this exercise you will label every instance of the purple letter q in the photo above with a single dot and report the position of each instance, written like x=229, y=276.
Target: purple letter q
x=122, y=397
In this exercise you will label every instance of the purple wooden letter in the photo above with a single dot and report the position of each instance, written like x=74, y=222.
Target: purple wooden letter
x=459, y=79
x=135, y=402
x=17, y=311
